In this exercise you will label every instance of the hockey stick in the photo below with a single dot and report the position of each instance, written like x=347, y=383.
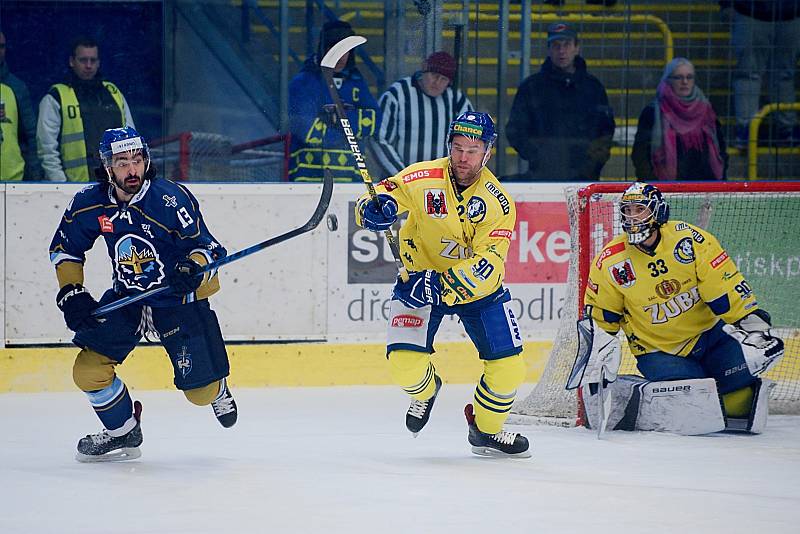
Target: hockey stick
x=313, y=222
x=327, y=64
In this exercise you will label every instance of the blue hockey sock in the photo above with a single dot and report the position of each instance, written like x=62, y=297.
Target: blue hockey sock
x=113, y=406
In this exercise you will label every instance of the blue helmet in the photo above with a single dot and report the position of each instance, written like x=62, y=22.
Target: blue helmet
x=116, y=140
x=642, y=209
x=473, y=124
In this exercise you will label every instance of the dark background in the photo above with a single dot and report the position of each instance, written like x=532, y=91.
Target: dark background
x=131, y=43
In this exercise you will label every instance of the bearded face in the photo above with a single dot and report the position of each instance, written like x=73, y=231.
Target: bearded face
x=127, y=173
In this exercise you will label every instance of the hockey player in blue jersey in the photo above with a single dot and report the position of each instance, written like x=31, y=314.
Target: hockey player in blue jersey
x=155, y=236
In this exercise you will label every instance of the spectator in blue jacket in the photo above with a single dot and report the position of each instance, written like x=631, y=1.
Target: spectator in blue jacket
x=317, y=139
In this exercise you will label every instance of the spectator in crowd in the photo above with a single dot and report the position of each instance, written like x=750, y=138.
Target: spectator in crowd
x=679, y=136
x=18, y=158
x=765, y=34
x=317, y=139
x=416, y=112
x=74, y=114
x=560, y=121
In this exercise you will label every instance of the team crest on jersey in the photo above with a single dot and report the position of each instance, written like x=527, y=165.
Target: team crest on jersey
x=138, y=266
x=667, y=288
x=476, y=210
x=623, y=273
x=435, y=204
x=684, y=251
x=184, y=361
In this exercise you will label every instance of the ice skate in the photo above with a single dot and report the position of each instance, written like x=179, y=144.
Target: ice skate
x=225, y=407
x=103, y=447
x=420, y=411
x=501, y=445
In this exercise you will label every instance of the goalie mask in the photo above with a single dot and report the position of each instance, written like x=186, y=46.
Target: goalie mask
x=123, y=141
x=642, y=210
x=474, y=125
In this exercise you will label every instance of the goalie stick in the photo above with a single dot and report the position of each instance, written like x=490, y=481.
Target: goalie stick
x=327, y=64
x=313, y=222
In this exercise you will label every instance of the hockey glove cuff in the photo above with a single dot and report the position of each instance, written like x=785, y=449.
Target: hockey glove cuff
x=77, y=305
x=422, y=289
x=758, y=321
x=381, y=217
x=185, y=277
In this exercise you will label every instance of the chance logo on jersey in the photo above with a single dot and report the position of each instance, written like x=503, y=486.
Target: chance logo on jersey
x=435, y=204
x=623, y=273
x=138, y=266
x=476, y=210
x=684, y=251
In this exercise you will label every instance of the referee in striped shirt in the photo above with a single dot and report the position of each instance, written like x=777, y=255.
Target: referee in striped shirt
x=417, y=111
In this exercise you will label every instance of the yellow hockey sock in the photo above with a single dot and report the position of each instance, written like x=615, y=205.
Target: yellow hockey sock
x=738, y=403
x=413, y=371
x=496, y=391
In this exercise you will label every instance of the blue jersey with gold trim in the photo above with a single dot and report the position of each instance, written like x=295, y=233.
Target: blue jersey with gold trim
x=144, y=237
x=664, y=300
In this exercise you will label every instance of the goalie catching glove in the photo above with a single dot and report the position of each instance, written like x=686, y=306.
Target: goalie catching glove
x=378, y=215
x=423, y=288
x=761, y=349
x=599, y=355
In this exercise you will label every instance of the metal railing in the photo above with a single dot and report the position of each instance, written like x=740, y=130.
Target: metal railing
x=752, y=141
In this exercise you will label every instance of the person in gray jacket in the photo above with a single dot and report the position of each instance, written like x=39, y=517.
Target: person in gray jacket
x=74, y=114
x=18, y=159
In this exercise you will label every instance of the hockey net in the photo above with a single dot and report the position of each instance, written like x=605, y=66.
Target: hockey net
x=758, y=225
x=211, y=157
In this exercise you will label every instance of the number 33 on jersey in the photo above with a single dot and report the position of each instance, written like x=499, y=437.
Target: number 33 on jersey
x=662, y=300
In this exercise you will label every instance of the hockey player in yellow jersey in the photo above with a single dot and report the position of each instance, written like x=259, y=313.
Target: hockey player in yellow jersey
x=454, y=244
x=685, y=308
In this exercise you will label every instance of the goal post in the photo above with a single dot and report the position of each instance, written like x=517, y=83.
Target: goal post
x=757, y=223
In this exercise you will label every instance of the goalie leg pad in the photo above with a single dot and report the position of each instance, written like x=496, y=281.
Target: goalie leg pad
x=687, y=407
x=756, y=421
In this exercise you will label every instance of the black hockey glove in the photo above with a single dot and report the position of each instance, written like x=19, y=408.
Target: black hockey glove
x=77, y=305
x=185, y=277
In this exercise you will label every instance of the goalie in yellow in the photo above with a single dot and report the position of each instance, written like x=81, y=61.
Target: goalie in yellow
x=454, y=244
x=688, y=314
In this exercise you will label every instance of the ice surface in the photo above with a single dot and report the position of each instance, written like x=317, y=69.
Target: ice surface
x=341, y=460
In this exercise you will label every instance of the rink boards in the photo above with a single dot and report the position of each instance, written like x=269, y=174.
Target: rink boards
x=36, y=369
x=318, y=302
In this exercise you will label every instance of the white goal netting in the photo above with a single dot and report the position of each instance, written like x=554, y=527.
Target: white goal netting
x=759, y=226
x=211, y=157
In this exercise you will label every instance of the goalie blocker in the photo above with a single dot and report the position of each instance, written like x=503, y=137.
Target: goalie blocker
x=690, y=407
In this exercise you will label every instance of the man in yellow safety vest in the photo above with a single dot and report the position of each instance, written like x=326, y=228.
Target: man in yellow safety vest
x=74, y=114
x=18, y=159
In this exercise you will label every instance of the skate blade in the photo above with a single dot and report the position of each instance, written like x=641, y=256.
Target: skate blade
x=494, y=453
x=119, y=455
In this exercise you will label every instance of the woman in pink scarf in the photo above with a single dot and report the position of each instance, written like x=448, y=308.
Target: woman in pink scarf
x=679, y=136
